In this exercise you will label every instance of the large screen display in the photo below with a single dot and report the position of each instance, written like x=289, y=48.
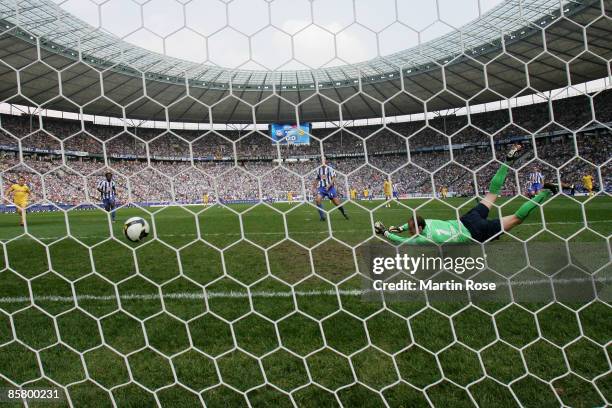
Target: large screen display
x=285, y=133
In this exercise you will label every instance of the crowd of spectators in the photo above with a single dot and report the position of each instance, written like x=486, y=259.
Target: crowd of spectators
x=63, y=161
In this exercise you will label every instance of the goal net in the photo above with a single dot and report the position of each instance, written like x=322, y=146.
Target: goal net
x=212, y=120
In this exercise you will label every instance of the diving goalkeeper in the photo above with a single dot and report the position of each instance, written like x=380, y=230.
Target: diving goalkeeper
x=474, y=225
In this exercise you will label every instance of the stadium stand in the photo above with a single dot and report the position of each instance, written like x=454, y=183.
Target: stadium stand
x=168, y=176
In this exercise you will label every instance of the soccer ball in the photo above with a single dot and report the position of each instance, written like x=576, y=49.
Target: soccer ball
x=136, y=228
x=379, y=227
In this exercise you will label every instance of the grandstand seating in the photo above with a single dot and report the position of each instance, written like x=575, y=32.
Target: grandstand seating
x=157, y=164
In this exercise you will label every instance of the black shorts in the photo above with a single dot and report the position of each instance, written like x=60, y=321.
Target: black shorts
x=481, y=229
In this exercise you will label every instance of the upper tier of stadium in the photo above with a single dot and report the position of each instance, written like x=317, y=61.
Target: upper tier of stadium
x=517, y=48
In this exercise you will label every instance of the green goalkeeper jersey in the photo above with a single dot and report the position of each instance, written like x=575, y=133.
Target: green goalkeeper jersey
x=435, y=231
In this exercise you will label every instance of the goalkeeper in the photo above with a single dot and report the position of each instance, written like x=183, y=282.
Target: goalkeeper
x=472, y=226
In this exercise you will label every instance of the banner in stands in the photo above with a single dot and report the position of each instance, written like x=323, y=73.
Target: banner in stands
x=285, y=133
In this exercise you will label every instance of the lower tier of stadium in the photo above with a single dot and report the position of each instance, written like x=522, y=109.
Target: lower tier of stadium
x=463, y=171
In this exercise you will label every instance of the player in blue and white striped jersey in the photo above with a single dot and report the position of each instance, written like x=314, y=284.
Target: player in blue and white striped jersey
x=108, y=193
x=325, y=187
x=536, y=181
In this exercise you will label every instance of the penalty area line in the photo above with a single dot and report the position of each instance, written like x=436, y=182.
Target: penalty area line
x=184, y=296
x=263, y=294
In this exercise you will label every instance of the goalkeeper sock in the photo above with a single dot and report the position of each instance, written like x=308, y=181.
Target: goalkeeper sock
x=525, y=209
x=498, y=179
x=341, y=208
x=321, y=213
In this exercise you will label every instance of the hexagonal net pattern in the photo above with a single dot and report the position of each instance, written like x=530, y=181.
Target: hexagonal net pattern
x=245, y=292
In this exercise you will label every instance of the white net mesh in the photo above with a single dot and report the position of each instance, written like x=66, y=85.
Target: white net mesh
x=240, y=295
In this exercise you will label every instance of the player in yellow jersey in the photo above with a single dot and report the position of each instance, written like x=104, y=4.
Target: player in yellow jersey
x=21, y=196
x=388, y=192
x=444, y=192
x=366, y=193
x=353, y=193
x=290, y=196
x=587, y=183
x=205, y=199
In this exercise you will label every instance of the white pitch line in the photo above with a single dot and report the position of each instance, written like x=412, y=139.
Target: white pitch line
x=260, y=294
x=185, y=295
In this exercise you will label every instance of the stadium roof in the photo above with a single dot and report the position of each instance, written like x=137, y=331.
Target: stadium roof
x=524, y=29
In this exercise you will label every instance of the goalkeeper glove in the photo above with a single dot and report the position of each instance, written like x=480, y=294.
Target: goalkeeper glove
x=379, y=227
x=393, y=228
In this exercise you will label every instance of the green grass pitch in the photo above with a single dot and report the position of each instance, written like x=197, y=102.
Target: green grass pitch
x=130, y=324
